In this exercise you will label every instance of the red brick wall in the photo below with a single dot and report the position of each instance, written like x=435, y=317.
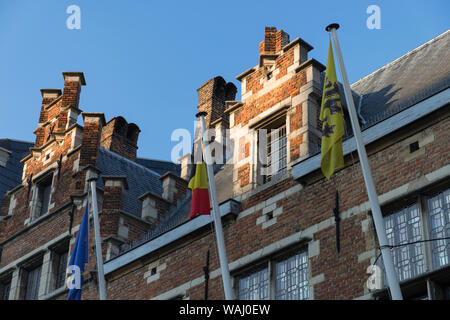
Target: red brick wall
x=344, y=276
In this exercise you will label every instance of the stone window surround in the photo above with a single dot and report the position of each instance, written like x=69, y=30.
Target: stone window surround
x=34, y=215
x=431, y=278
x=273, y=114
x=44, y=256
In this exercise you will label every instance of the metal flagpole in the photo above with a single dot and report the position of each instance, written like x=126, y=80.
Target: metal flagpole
x=216, y=213
x=98, y=245
x=373, y=198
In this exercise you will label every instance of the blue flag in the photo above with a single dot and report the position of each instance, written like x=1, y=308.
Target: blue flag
x=79, y=258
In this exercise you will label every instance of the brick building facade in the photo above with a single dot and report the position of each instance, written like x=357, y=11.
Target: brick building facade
x=279, y=226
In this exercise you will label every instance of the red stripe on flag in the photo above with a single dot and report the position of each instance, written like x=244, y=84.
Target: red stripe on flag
x=200, y=203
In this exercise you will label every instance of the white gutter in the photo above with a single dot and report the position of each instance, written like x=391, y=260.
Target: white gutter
x=380, y=129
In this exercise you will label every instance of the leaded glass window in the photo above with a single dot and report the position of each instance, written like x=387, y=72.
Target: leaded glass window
x=254, y=286
x=439, y=220
x=282, y=279
x=403, y=227
x=292, y=278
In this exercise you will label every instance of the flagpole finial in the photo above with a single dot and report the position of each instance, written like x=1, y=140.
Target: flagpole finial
x=332, y=26
x=202, y=113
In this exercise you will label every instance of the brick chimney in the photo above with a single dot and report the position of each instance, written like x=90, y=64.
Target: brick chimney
x=71, y=96
x=121, y=137
x=114, y=187
x=273, y=41
x=93, y=124
x=212, y=96
x=59, y=110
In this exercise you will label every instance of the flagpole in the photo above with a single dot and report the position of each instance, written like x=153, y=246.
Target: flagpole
x=216, y=213
x=98, y=244
x=373, y=198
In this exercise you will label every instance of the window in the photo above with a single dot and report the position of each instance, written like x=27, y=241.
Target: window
x=292, y=278
x=59, y=255
x=423, y=225
x=4, y=156
x=273, y=141
x=283, y=279
x=439, y=220
x=254, y=286
x=61, y=267
x=5, y=288
x=33, y=279
x=403, y=227
x=42, y=198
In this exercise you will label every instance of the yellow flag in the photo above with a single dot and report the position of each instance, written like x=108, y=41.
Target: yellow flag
x=332, y=121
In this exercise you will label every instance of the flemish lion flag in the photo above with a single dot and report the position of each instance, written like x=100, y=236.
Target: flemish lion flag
x=332, y=121
x=200, y=198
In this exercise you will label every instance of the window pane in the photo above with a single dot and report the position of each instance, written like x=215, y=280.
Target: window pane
x=61, y=271
x=6, y=288
x=45, y=199
x=254, y=286
x=33, y=280
x=403, y=227
x=292, y=278
x=276, y=148
x=439, y=218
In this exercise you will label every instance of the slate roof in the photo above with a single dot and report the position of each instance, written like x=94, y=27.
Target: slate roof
x=179, y=214
x=11, y=174
x=160, y=166
x=140, y=179
x=415, y=76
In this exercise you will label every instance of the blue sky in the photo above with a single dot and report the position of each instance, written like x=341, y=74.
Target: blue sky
x=144, y=60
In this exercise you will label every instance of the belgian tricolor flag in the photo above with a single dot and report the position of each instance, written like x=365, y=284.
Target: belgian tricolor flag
x=200, y=198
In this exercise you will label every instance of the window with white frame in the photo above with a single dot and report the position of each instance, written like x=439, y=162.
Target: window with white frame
x=281, y=279
x=420, y=236
x=272, y=153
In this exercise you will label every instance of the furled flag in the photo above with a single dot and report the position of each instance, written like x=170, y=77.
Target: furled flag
x=200, y=198
x=332, y=121
x=79, y=258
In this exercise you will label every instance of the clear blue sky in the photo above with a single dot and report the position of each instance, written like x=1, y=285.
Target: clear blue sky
x=144, y=60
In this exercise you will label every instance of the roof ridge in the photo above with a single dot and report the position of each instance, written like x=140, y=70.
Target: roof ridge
x=407, y=54
x=128, y=160
x=167, y=161
x=16, y=140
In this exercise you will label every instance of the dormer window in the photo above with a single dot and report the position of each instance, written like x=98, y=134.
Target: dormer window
x=4, y=156
x=273, y=148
